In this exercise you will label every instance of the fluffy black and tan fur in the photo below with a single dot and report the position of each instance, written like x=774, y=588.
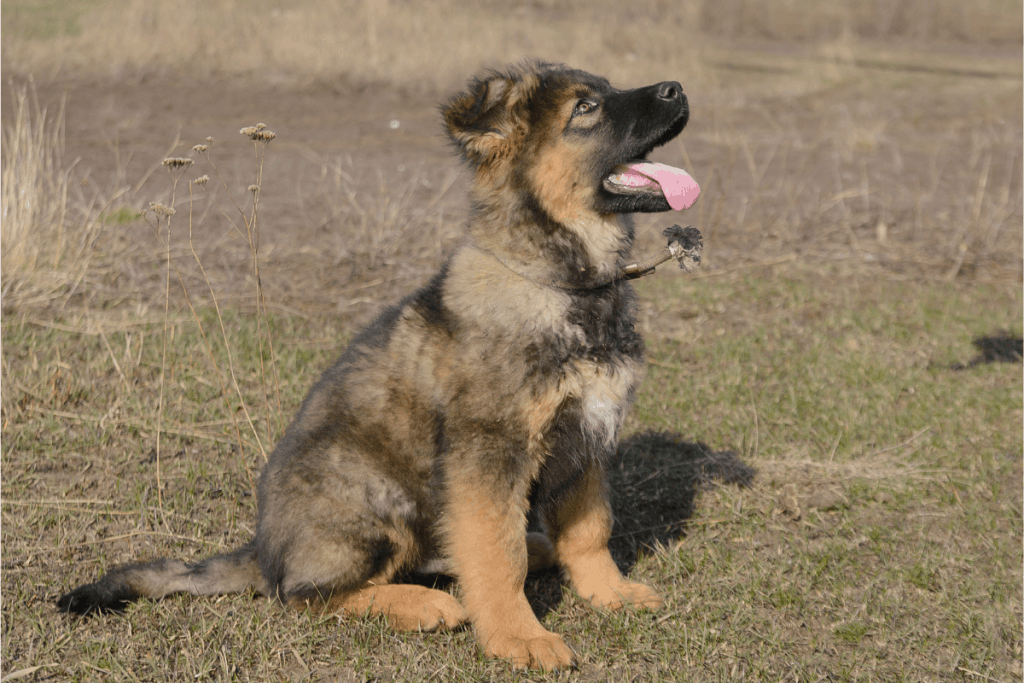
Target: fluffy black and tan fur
x=500, y=385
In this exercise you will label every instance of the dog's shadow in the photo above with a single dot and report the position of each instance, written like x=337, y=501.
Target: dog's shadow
x=1001, y=347
x=654, y=479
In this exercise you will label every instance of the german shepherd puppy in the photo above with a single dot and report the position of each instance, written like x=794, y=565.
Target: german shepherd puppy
x=499, y=386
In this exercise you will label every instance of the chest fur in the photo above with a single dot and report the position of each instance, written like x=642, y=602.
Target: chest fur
x=561, y=356
x=598, y=396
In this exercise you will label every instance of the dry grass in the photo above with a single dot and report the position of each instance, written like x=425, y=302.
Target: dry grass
x=434, y=45
x=985, y=21
x=383, y=224
x=49, y=232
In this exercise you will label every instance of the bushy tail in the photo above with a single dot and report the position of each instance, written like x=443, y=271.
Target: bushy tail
x=233, y=572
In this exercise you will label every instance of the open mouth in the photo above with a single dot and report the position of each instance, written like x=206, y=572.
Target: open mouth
x=641, y=177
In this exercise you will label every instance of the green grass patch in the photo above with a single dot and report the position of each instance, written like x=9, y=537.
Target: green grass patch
x=782, y=365
x=45, y=19
x=122, y=216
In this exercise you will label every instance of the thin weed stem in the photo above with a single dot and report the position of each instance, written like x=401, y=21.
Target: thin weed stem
x=175, y=166
x=204, y=151
x=261, y=138
x=227, y=346
x=231, y=364
x=163, y=351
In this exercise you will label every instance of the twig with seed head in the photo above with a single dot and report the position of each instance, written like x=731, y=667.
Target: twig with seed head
x=258, y=133
x=177, y=163
x=209, y=348
x=160, y=210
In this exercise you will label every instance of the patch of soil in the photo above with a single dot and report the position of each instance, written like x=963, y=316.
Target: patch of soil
x=381, y=139
x=361, y=196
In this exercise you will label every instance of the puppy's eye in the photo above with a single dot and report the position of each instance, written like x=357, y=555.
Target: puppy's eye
x=584, y=107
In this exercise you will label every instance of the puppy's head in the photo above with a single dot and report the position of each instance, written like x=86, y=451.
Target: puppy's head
x=569, y=141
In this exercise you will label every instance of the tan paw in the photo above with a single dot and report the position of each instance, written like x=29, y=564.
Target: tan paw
x=547, y=652
x=624, y=594
x=407, y=607
x=429, y=611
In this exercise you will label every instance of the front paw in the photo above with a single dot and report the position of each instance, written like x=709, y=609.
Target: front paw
x=547, y=651
x=622, y=594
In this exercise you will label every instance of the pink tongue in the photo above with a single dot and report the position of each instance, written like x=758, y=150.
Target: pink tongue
x=679, y=188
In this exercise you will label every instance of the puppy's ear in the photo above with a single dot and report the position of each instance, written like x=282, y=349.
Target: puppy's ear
x=489, y=120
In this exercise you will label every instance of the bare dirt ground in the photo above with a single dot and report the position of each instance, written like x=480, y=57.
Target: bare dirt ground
x=120, y=132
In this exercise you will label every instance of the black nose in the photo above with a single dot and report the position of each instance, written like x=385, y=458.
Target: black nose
x=669, y=90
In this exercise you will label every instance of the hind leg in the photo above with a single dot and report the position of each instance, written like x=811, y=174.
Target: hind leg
x=326, y=588
x=579, y=524
x=409, y=607
x=349, y=567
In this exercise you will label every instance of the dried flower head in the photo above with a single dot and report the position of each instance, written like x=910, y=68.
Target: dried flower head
x=209, y=140
x=160, y=210
x=177, y=163
x=254, y=188
x=201, y=180
x=258, y=133
x=200, y=148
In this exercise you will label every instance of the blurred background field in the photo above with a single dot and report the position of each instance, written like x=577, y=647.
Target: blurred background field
x=433, y=44
x=861, y=208
x=884, y=131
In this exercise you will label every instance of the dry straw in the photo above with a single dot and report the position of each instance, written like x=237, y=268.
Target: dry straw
x=372, y=41
x=48, y=233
